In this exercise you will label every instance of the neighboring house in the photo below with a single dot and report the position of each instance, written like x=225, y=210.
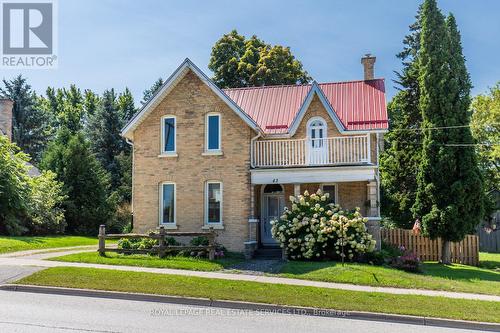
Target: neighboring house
x=6, y=106
x=229, y=159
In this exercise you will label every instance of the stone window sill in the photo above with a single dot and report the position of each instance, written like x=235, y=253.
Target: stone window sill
x=168, y=155
x=214, y=226
x=169, y=226
x=213, y=153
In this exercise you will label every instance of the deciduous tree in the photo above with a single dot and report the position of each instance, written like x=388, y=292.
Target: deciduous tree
x=240, y=62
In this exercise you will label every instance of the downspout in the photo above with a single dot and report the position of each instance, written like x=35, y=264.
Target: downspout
x=251, y=148
x=378, y=173
x=131, y=143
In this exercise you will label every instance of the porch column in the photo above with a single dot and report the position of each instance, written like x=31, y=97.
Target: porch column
x=372, y=197
x=253, y=224
x=373, y=214
x=296, y=190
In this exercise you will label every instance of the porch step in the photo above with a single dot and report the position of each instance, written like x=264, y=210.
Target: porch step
x=268, y=253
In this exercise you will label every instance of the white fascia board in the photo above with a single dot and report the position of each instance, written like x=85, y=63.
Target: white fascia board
x=170, y=84
x=313, y=175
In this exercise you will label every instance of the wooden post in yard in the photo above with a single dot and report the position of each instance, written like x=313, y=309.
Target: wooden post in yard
x=211, y=244
x=102, y=239
x=162, y=242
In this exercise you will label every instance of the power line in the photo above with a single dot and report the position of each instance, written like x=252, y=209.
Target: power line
x=438, y=127
x=455, y=144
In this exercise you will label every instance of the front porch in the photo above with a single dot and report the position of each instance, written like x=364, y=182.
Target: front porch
x=350, y=187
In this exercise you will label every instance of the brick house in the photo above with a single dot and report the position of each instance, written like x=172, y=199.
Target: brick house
x=229, y=159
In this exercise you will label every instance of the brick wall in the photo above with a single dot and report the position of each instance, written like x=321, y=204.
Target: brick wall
x=190, y=101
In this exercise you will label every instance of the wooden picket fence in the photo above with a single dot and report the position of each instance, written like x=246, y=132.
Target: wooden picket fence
x=465, y=252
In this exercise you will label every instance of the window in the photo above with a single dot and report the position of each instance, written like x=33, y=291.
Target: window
x=316, y=131
x=331, y=190
x=167, y=203
x=213, y=202
x=168, y=128
x=213, y=132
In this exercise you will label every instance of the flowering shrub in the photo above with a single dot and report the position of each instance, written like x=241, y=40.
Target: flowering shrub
x=408, y=262
x=314, y=229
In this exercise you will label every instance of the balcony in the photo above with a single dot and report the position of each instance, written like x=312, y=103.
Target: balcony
x=345, y=150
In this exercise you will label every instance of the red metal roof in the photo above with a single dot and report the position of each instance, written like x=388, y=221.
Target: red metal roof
x=360, y=105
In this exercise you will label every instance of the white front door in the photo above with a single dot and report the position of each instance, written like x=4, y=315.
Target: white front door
x=317, y=143
x=272, y=209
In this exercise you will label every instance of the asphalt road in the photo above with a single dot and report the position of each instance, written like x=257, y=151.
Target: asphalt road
x=29, y=312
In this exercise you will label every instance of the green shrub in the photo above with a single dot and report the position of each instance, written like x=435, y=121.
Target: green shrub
x=199, y=241
x=46, y=215
x=315, y=229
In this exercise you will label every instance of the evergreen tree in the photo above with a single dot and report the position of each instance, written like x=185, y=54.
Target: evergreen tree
x=104, y=134
x=449, y=194
x=126, y=106
x=148, y=93
x=238, y=62
x=85, y=182
x=400, y=160
x=30, y=124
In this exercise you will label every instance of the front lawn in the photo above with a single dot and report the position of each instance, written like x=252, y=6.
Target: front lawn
x=459, y=278
x=102, y=279
x=12, y=244
x=177, y=262
x=489, y=260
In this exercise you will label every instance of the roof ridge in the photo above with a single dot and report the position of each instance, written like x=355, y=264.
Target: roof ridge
x=275, y=86
x=301, y=85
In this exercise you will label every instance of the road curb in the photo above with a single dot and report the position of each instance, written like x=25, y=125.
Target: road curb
x=261, y=307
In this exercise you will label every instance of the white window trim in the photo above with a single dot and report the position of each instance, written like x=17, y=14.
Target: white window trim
x=220, y=223
x=167, y=225
x=313, y=119
x=217, y=151
x=163, y=152
x=336, y=190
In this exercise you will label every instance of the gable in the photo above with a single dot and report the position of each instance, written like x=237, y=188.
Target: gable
x=315, y=109
x=316, y=92
x=186, y=67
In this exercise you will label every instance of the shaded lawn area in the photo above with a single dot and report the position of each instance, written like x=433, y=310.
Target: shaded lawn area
x=459, y=278
x=103, y=279
x=489, y=260
x=177, y=262
x=12, y=244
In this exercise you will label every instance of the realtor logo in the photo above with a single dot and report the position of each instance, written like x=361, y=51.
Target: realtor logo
x=28, y=34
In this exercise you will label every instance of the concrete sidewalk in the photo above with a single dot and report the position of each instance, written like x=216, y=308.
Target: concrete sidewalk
x=34, y=260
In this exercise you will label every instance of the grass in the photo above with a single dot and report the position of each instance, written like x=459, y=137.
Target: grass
x=102, y=279
x=489, y=260
x=177, y=262
x=459, y=278
x=12, y=244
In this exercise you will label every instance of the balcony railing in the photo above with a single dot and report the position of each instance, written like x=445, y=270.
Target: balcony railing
x=344, y=150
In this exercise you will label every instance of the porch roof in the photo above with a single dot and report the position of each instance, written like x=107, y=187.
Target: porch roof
x=314, y=175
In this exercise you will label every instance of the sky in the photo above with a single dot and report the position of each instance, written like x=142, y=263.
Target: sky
x=124, y=43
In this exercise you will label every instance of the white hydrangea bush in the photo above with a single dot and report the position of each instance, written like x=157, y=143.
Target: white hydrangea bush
x=316, y=229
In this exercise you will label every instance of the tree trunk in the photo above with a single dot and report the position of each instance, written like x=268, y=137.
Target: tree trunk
x=446, y=253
